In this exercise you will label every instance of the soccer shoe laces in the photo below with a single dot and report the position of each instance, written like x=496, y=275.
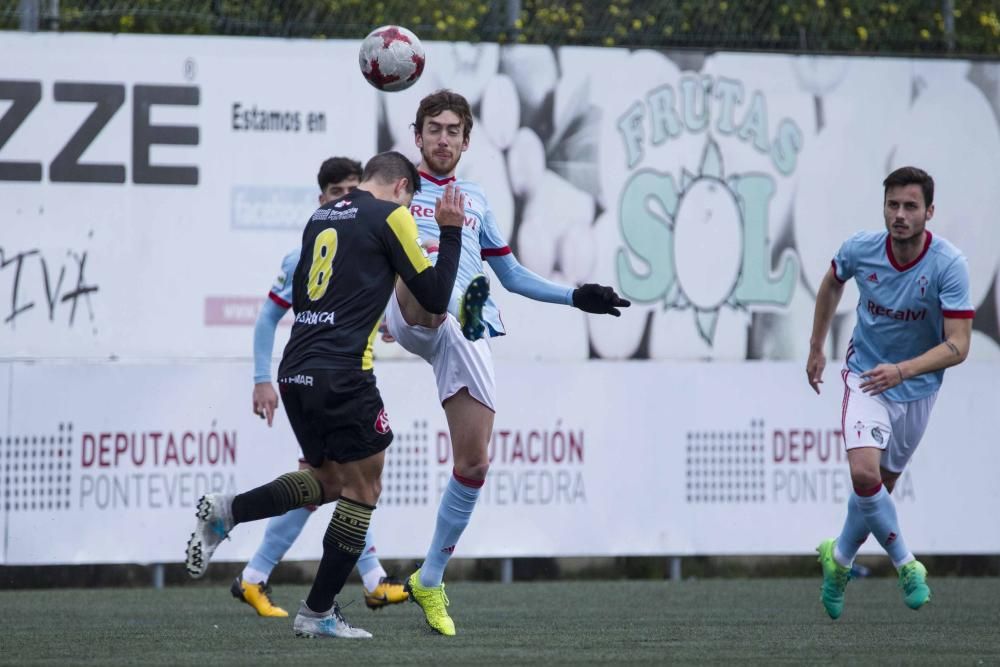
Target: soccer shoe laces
x=339, y=615
x=438, y=602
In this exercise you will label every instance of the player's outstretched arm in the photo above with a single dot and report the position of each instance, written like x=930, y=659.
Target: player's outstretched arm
x=827, y=298
x=265, y=399
x=590, y=298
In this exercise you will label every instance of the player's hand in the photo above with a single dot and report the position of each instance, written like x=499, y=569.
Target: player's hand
x=265, y=401
x=881, y=378
x=599, y=299
x=449, y=209
x=814, y=369
x=383, y=329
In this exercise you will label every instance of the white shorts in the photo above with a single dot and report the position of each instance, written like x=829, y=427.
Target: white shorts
x=457, y=362
x=876, y=421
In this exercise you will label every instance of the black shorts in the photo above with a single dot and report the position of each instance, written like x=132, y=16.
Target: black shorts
x=335, y=414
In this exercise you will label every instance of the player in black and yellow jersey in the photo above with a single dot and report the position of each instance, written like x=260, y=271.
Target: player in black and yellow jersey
x=352, y=250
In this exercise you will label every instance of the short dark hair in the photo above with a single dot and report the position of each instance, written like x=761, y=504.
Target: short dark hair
x=440, y=101
x=336, y=169
x=911, y=176
x=391, y=166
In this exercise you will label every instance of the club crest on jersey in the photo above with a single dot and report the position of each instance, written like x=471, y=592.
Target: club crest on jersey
x=922, y=283
x=382, y=422
x=859, y=426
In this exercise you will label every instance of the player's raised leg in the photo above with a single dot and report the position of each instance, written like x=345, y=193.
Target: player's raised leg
x=470, y=423
x=218, y=514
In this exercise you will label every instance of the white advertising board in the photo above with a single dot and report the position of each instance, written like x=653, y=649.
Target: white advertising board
x=609, y=458
x=151, y=185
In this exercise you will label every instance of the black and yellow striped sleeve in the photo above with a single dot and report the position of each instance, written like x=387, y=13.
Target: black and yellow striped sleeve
x=408, y=257
x=430, y=284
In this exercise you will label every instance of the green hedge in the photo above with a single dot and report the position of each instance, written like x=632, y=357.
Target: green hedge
x=904, y=27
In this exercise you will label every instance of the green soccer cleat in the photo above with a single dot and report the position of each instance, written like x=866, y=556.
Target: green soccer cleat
x=913, y=581
x=434, y=602
x=470, y=308
x=835, y=578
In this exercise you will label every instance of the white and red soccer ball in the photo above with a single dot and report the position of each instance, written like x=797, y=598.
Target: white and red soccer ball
x=391, y=58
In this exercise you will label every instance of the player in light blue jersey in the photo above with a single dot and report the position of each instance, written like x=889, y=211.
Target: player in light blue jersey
x=914, y=320
x=454, y=343
x=337, y=176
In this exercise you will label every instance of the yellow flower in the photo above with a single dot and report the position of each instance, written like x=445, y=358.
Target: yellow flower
x=862, y=33
x=846, y=12
x=821, y=3
x=925, y=33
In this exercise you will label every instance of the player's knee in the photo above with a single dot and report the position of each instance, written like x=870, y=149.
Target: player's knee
x=864, y=479
x=475, y=470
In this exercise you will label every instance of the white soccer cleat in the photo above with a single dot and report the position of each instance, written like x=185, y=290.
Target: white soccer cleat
x=310, y=626
x=215, y=520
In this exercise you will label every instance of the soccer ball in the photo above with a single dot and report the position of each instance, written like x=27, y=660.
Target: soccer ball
x=391, y=58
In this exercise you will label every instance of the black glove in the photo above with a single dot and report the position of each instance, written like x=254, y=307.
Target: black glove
x=598, y=299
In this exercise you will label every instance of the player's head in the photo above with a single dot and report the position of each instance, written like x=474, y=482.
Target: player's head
x=337, y=176
x=392, y=177
x=441, y=131
x=908, y=202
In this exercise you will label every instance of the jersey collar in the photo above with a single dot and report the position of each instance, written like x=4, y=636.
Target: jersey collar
x=903, y=267
x=437, y=181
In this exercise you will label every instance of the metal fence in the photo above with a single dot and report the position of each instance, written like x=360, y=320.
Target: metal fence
x=958, y=27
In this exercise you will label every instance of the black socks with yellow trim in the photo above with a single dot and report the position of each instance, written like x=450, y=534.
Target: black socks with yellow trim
x=342, y=546
x=290, y=491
